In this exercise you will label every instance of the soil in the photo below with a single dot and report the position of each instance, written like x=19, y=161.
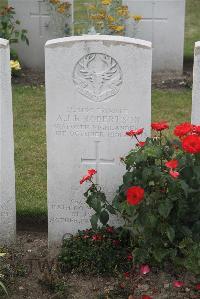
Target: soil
x=35, y=275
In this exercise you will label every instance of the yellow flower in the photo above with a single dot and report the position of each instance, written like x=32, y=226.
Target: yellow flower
x=98, y=16
x=15, y=65
x=122, y=10
x=117, y=28
x=106, y=2
x=55, y=2
x=61, y=8
x=111, y=19
x=137, y=18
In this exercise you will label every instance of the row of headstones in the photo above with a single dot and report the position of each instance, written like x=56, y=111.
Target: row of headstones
x=162, y=24
x=97, y=88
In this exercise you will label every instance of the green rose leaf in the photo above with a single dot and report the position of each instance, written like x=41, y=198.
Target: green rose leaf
x=94, y=202
x=170, y=233
x=111, y=210
x=94, y=220
x=128, y=178
x=104, y=217
x=165, y=208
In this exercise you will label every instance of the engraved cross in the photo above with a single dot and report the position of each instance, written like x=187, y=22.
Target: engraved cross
x=152, y=20
x=40, y=15
x=97, y=160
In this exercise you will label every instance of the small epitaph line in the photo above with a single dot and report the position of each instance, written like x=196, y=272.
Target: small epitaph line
x=97, y=161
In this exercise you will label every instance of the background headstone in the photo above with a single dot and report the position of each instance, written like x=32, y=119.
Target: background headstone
x=162, y=24
x=7, y=172
x=196, y=86
x=34, y=16
x=97, y=88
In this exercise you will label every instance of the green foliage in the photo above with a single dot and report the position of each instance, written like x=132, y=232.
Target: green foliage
x=9, y=28
x=97, y=201
x=191, y=252
x=170, y=210
x=104, y=251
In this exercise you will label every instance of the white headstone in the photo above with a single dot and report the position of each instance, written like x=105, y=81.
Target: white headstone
x=163, y=25
x=7, y=172
x=97, y=88
x=196, y=86
x=34, y=16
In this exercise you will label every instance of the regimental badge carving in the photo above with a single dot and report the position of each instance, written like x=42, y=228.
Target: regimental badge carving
x=97, y=76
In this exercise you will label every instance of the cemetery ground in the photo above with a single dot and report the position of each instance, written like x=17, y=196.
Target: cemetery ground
x=31, y=272
x=30, y=275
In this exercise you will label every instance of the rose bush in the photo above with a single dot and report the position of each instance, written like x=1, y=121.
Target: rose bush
x=159, y=198
x=9, y=29
x=88, y=251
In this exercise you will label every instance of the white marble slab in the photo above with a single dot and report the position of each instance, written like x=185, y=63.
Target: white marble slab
x=163, y=24
x=7, y=170
x=196, y=86
x=97, y=88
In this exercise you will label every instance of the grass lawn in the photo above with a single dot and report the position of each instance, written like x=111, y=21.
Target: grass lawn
x=30, y=149
x=30, y=146
x=192, y=27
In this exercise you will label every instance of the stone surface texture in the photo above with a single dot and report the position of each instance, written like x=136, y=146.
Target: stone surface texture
x=34, y=16
x=7, y=170
x=196, y=86
x=163, y=24
x=97, y=88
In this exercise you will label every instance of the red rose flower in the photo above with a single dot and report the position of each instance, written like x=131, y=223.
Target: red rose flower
x=196, y=129
x=92, y=172
x=178, y=284
x=97, y=238
x=174, y=174
x=132, y=133
x=109, y=229
x=116, y=242
x=127, y=274
x=146, y=297
x=145, y=269
x=141, y=144
x=160, y=126
x=191, y=144
x=172, y=164
x=183, y=129
x=88, y=176
x=197, y=287
x=122, y=285
x=135, y=195
x=129, y=257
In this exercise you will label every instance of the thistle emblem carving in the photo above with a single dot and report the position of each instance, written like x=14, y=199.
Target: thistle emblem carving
x=97, y=76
